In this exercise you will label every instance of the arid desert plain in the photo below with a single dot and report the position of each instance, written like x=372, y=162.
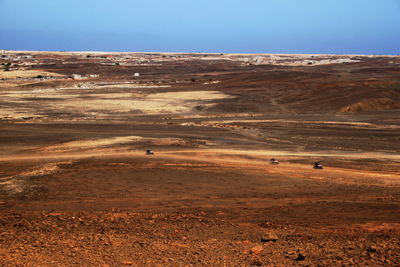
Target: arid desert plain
x=77, y=188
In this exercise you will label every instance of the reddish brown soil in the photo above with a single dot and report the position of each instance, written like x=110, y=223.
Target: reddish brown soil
x=76, y=188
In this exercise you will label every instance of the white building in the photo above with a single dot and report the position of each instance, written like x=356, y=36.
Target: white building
x=76, y=76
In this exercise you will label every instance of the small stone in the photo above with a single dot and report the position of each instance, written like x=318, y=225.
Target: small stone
x=54, y=214
x=256, y=263
x=257, y=250
x=300, y=257
x=126, y=262
x=371, y=256
x=372, y=249
x=269, y=237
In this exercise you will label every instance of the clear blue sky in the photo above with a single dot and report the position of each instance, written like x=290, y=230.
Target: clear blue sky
x=253, y=26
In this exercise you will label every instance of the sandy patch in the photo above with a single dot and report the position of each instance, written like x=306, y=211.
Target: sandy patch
x=169, y=102
x=293, y=60
x=372, y=104
x=42, y=170
x=116, y=95
x=27, y=74
x=129, y=85
x=9, y=85
x=13, y=114
x=230, y=123
x=102, y=104
x=171, y=142
x=121, y=140
x=90, y=144
x=293, y=121
x=224, y=115
x=16, y=184
x=191, y=95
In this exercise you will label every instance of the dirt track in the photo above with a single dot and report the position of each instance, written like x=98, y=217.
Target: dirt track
x=76, y=188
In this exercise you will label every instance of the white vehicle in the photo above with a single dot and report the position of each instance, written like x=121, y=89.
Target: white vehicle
x=274, y=161
x=318, y=165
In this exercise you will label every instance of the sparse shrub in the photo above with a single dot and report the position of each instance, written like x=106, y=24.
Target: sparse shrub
x=8, y=66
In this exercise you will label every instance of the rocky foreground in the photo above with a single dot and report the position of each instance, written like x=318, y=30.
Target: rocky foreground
x=120, y=238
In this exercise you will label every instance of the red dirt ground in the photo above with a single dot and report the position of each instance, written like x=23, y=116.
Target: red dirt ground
x=76, y=188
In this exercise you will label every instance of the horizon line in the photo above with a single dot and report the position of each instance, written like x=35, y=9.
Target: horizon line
x=213, y=53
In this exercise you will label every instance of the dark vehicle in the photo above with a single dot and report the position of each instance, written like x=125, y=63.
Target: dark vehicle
x=274, y=161
x=318, y=165
x=149, y=152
